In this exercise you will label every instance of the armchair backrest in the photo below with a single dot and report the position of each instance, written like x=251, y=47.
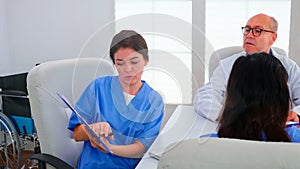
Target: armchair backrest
x=229, y=51
x=68, y=77
x=224, y=153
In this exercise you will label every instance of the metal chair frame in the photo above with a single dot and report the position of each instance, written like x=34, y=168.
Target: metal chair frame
x=12, y=139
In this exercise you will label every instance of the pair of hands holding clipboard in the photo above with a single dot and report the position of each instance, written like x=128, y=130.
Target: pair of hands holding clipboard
x=103, y=130
x=98, y=133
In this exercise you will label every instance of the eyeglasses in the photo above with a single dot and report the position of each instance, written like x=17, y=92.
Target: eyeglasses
x=255, y=31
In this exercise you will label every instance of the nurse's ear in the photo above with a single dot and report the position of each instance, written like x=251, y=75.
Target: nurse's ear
x=146, y=62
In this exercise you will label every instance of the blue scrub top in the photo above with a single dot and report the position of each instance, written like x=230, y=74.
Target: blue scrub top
x=103, y=101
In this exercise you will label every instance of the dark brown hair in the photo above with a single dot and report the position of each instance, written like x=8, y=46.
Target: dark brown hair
x=257, y=100
x=128, y=39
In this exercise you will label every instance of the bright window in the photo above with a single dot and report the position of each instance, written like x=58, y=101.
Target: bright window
x=166, y=26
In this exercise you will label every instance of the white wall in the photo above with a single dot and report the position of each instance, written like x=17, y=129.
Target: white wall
x=40, y=31
x=4, y=50
x=199, y=44
x=294, y=50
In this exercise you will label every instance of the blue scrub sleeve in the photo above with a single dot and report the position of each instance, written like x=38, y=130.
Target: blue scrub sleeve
x=85, y=106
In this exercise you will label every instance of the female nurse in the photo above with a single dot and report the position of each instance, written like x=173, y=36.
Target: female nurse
x=123, y=105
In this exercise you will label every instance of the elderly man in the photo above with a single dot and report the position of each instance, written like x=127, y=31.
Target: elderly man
x=260, y=33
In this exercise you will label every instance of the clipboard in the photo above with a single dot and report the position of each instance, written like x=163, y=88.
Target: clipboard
x=91, y=131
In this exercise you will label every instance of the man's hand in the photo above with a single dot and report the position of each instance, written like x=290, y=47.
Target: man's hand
x=293, y=116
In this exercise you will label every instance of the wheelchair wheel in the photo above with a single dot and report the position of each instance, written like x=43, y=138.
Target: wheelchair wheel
x=10, y=147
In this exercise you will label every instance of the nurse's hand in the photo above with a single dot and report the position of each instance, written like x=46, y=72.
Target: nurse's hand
x=293, y=116
x=100, y=147
x=102, y=129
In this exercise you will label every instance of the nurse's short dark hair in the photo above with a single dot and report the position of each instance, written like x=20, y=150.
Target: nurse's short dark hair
x=128, y=39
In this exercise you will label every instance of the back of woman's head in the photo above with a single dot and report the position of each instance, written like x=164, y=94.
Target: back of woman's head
x=257, y=100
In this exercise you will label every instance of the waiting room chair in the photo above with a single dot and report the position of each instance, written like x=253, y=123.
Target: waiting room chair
x=68, y=77
x=224, y=153
x=229, y=51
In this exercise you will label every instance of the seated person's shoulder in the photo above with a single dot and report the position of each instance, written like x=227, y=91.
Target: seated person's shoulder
x=103, y=79
x=294, y=133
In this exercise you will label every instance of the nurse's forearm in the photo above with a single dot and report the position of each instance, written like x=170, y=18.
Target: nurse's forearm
x=135, y=150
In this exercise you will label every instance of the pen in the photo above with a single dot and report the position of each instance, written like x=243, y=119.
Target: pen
x=109, y=134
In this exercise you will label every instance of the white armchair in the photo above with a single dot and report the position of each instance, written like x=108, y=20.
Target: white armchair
x=228, y=51
x=68, y=77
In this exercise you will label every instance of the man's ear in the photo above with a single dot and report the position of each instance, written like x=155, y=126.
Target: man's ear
x=274, y=37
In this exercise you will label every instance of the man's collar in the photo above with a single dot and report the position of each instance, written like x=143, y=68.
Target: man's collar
x=271, y=52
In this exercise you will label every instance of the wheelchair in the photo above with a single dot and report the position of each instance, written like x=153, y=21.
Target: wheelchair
x=16, y=125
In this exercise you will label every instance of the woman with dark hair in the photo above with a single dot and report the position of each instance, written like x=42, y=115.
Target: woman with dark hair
x=123, y=105
x=257, y=101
